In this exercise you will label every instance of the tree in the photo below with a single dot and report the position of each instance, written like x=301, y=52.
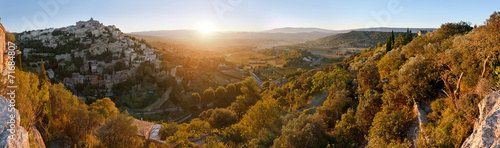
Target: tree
x=416, y=77
x=390, y=62
x=220, y=94
x=219, y=117
x=389, y=126
x=346, y=133
x=303, y=132
x=250, y=88
x=392, y=37
x=208, y=95
x=332, y=109
x=168, y=129
x=231, y=89
x=196, y=98
x=42, y=76
x=119, y=132
x=388, y=44
x=337, y=78
x=19, y=62
x=82, y=124
x=213, y=142
x=105, y=107
x=9, y=37
x=90, y=67
x=263, y=116
x=369, y=105
x=408, y=36
x=368, y=76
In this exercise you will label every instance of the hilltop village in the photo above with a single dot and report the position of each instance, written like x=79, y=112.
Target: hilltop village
x=87, y=52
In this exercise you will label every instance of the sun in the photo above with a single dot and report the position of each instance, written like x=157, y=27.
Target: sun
x=206, y=28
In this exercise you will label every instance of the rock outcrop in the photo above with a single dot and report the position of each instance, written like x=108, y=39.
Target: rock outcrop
x=12, y=135
x=37, y=138
x=487, y=127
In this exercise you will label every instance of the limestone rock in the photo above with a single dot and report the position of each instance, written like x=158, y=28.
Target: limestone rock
x=38, y=140
x=487, y=127
x=19, y=136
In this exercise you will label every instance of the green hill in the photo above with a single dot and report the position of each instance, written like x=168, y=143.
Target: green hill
x=353, y=39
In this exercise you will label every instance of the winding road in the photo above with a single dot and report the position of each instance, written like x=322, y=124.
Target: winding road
x=259, y=82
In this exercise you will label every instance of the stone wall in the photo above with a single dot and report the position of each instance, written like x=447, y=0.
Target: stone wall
x=2, y=43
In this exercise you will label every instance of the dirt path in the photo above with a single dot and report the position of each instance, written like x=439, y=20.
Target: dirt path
x=159, y=102
x=421, y=110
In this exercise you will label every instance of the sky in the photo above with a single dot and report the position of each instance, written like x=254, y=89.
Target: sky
x=242, y=15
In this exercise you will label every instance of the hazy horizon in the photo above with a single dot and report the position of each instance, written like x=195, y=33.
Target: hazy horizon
x=241, y=15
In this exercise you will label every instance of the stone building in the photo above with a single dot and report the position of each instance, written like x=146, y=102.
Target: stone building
x=2, y=43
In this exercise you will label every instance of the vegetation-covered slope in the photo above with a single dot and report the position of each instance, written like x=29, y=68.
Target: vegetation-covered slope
x=354, y=39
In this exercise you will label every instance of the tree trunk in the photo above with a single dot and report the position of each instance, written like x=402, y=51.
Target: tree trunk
x=484, y=66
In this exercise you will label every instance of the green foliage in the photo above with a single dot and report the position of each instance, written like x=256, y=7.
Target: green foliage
x=251, y=94
x=105, y=107
x=390, y=126
x=368, y=77
x=390, y=62
x=213, y=142
x=119, y=132
x=264, y=115
x=335, y=105
x=369, y=105
x=9, y=37
x=208, y=95
x=219, y=117
x=306, y=131
x=337, y=78
x=416, y=78
x=168, y=129
x=346, y=133
x=195, y=98
x=194, y=129
x=362, y=39
x=221, y=95
x=448, y=127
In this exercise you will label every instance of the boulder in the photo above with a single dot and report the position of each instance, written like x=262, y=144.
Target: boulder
x=12, y=135
x=486, y=131
x=38, y=140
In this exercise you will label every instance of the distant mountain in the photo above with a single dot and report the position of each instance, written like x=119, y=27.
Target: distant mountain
x=379, y=29
x=301, y=30
x=388, y=29
x=352, y=39
x=318, y=37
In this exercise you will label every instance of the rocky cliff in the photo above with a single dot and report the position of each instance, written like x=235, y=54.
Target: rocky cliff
x=487, y=127
x=12, y=135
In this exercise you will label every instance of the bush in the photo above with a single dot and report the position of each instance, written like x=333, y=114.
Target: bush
x=303, y=132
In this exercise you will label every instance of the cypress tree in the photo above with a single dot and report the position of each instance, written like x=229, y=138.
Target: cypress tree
x=41, y=75
x=19, y=64
x=392, y=38
x=388, y=46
